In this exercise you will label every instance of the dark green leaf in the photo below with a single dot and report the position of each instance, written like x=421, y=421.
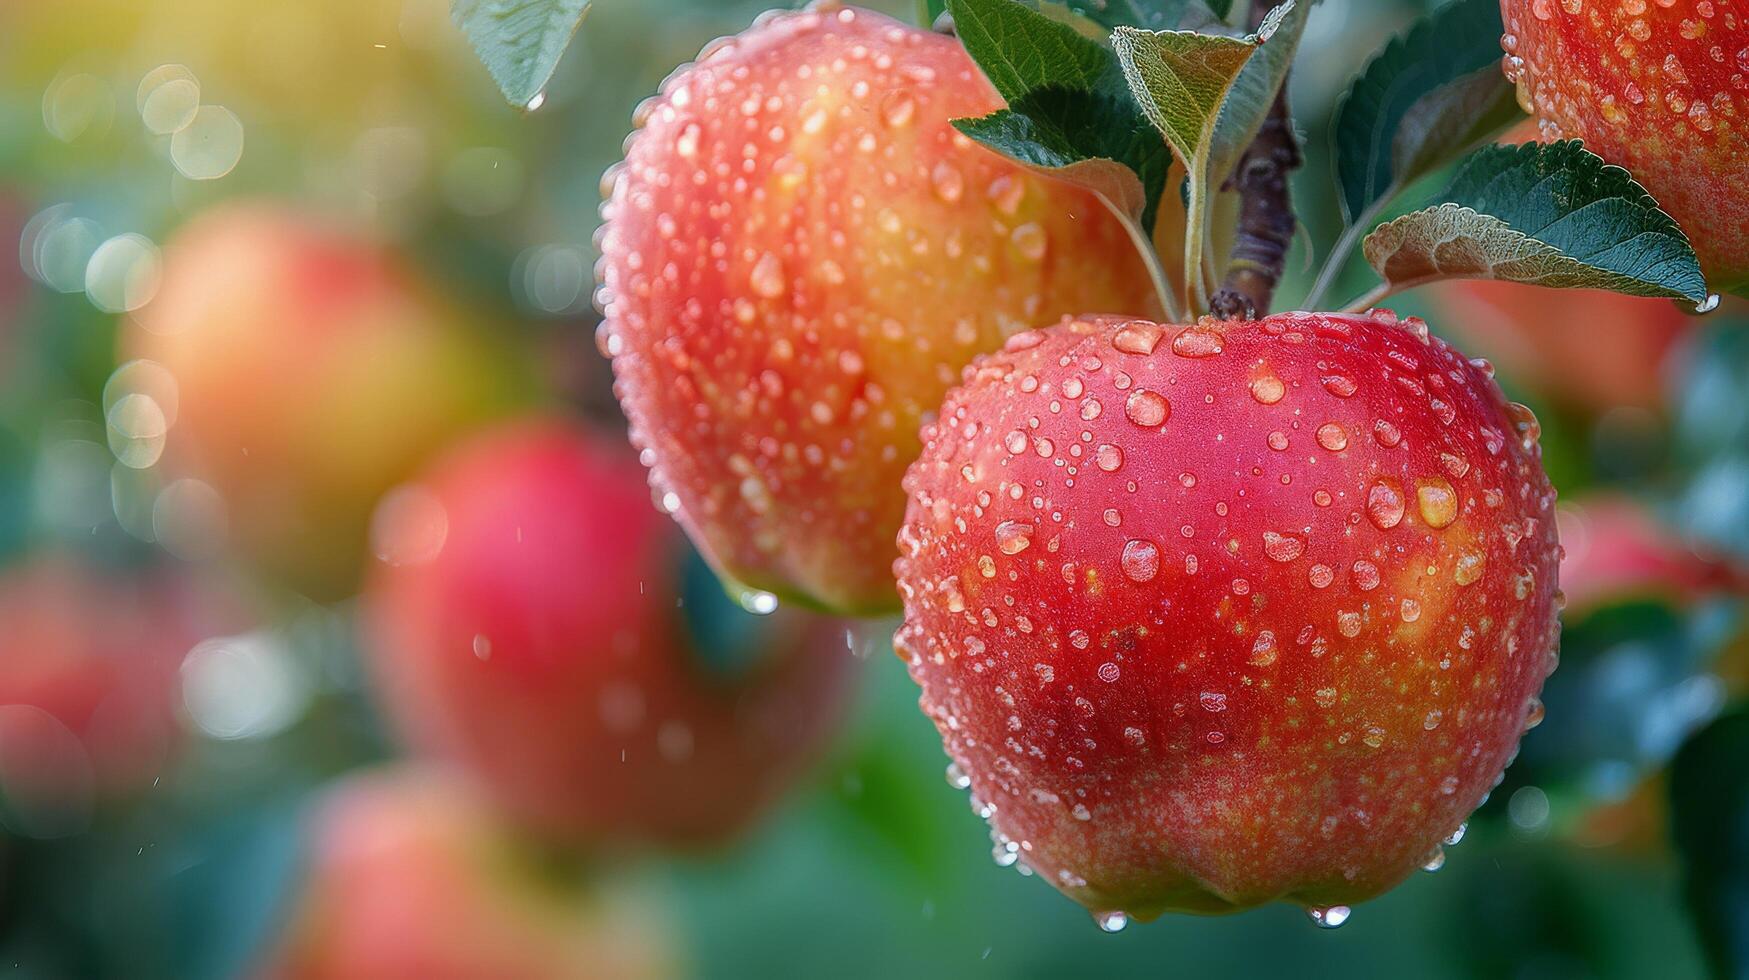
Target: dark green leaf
x=1709, y=811
x=1552, y=215
x=1423, y=100
x=1092, y=139
x=1154, y=15
x=1069, y=110
x=1022, y=50
x=520, y=41
x=929, y=11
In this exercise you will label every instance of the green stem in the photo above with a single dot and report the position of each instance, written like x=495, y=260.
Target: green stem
x=1337, y=260
x=1195, y=276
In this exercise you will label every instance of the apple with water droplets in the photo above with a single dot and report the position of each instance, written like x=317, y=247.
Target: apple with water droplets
x=800, y=254
x=1660, y=87
x=1232, y=612
x=545, y=642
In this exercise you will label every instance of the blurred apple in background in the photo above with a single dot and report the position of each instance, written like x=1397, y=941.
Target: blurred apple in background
x=308, y=370
x=1618, y=549
x=1584, y=350
x=410, y=879
x=88, y=682
x=525, y=626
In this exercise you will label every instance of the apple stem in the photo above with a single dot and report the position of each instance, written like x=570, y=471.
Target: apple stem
x=1266, y=216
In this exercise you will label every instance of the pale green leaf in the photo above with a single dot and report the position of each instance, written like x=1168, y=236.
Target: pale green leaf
x=520, y=41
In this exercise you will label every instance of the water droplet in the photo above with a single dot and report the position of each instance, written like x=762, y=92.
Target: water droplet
x=1030, y=241
x=1340, y=385
x=1013, y=537
x=1111, y=921
x=1282, y=547
x=1534, y=716
x=1109, y=672
x=898, y=109
x=956, y=777
x=1711, y=303
x=1434, y=860
x=1320, y=576
x=1140, y=560
x=1384, y=506
x=1146, y=408
x=1365, y=575
x=1469, y=568
x=1138, y=337
x=1437, y=502
x=1268, y=389
x=1108, y=457
x=1331, y=917
x=1264, y=650
x=767, y=278
x=1198, y=341
x=1386, y=433
x=1333, y=437
x=949, y=183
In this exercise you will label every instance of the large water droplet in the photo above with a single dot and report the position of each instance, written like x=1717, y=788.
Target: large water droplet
x=1140, y=560
x=1147, y=408
x=1331, y=917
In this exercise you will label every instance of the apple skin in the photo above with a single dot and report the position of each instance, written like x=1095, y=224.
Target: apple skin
x=411, y=878
x=543, y=651
x=314, y=371
x=1217, y=615
x=88, y=676
x=1587, y=350
x=800, y=254
x=1661, y=88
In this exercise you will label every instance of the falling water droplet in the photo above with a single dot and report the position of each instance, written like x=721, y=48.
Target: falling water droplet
x=1111, y=921
x=1331, y=917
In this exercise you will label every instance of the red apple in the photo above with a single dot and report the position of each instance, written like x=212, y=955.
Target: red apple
x=1616, y=549
x=410, y=878
x=1222, y=614
x=313, y=371
x=1661, y=88
x=537, y=642
x=800, y=254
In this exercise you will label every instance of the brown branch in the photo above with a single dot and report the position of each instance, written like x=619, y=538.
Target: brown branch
x=1266, y=216
x=1266, y=208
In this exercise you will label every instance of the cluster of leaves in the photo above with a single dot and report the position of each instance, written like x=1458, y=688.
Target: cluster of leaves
x=1108, y=93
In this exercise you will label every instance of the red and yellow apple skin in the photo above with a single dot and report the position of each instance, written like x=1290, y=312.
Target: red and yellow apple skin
x=1588, y=350
x=88, y=675
x=314, y=371
x=1217, y=615
x=800, y=255
x=411, y=878
x=543, y=651
x=1660, y=87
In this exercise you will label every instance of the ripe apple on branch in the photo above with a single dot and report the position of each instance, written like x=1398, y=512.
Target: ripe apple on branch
x=1213, y=605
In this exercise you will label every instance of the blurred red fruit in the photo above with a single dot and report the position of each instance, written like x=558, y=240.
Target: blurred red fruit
x=1586, y=350
x=88, y=683
x=542, y=648
x=1657, y=88
x=1215, y=615
x=1618, y=549
x=801, y=253
x=410, y=879
x=312, y=371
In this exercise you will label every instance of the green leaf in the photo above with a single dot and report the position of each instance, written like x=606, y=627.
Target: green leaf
x=1709, y=819
x=929, y=11
x=1551, y=215
x=1421, y=102
x=520, y=41
x=1154, y=15
x=1087, y=138
x=1069, y=112
x=1021, y=50
x=1185, y=82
